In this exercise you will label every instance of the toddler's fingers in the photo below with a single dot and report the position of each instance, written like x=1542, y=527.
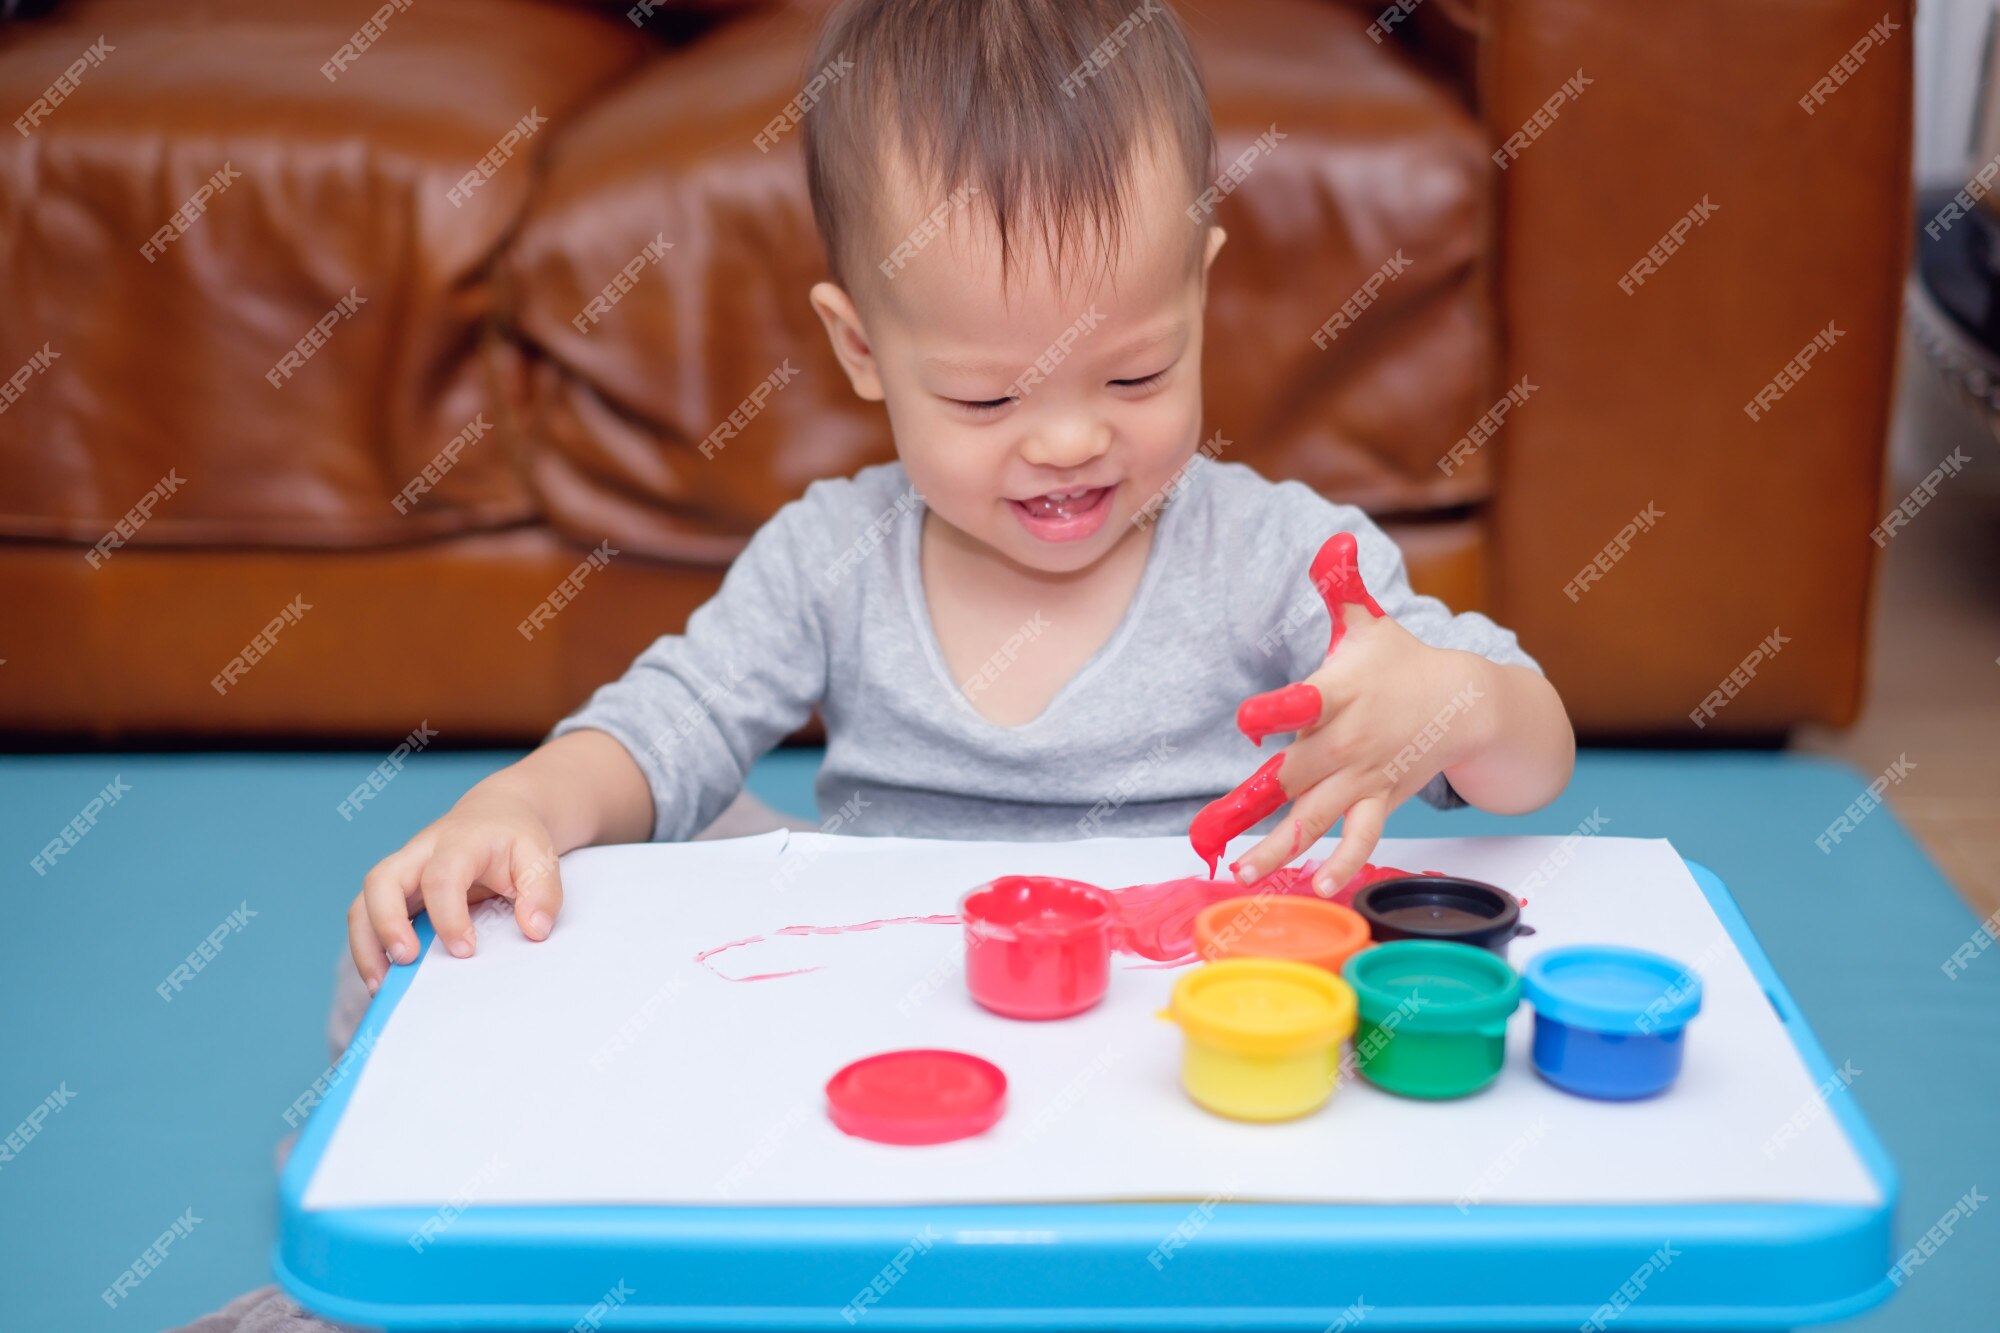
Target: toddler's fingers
x=538, y=893
x=1358, y=837
x=446, y=878
x=1311, y=815
x=390, y=891
x=369, y=959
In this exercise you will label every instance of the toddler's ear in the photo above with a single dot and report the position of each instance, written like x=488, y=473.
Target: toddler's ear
x=1216, y=236
x=850, y=341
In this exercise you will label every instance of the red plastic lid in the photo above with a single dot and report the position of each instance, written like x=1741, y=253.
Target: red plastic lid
x=921, y=1096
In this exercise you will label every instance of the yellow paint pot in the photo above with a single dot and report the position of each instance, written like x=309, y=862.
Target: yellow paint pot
x=1262, y=1036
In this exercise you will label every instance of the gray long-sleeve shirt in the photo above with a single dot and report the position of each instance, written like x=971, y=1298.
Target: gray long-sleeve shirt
x=825, y=607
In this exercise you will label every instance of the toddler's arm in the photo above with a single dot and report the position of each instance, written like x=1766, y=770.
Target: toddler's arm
x=655, y=754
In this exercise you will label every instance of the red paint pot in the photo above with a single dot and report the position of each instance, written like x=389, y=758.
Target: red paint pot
x=1037, y=947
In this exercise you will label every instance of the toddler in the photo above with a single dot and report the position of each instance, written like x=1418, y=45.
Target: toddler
x=1040, y=620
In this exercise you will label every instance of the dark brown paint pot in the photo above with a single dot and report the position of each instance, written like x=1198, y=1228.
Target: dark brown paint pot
x=1438, y=907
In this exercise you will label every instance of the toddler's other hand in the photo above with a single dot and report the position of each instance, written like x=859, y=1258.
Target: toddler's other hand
x=490, y=845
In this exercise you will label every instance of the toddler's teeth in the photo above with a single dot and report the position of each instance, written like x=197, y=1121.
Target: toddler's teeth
x=1059, y=504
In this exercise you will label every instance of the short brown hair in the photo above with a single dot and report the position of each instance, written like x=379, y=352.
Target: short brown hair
x=1038, y=105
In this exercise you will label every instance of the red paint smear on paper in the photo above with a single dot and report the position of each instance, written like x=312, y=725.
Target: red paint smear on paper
x=1154, y=921
x=1336, y=574
x=951, y=919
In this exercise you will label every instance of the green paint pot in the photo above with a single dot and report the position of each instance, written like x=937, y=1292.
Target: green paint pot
x=1433, y=1016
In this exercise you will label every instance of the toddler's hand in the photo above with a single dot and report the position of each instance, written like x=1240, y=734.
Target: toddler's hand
x=1391, y=711
x=490, y=845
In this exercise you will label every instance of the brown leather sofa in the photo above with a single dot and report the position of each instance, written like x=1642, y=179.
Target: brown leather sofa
x=254, y=281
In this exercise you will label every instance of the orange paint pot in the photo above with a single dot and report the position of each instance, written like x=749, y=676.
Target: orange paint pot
x=1269, y=925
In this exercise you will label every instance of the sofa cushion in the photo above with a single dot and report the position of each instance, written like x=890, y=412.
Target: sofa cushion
x=699, y=394
x=1367, y=225
x=256, y=243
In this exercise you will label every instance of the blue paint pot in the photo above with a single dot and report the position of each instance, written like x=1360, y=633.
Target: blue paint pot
x=1610, y=1023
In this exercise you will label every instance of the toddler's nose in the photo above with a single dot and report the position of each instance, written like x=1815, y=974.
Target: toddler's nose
x=1067, y=444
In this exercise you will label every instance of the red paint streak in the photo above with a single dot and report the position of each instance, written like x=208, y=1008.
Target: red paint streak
x=1336, y=573
x=1259, y=795
x=1287, y=709
x=706, y=954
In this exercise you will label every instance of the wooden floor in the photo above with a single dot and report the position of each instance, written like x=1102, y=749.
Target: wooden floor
x=1933, y=695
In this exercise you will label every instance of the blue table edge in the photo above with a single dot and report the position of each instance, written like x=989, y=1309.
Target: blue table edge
x=885, y=1229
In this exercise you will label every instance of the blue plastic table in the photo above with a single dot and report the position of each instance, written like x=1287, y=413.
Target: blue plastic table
x=1310, y=1268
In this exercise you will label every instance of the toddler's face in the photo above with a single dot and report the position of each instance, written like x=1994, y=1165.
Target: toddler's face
x=1039, y=419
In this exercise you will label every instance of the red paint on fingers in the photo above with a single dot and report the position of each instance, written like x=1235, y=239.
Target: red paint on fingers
x=1336, y=572
x=1288, y=709
x=1259, y=795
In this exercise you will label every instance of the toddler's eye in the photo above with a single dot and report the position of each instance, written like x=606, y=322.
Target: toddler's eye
x=1143, y=382
x=983, y=407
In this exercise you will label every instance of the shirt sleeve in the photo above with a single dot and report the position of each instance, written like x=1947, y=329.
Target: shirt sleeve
x=1383, y=572
x=696, y=709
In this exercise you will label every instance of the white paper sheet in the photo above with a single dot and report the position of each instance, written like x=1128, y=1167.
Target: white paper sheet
x=606, y=1066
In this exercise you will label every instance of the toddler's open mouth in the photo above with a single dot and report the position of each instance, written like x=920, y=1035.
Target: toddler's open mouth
x=1065, y=516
